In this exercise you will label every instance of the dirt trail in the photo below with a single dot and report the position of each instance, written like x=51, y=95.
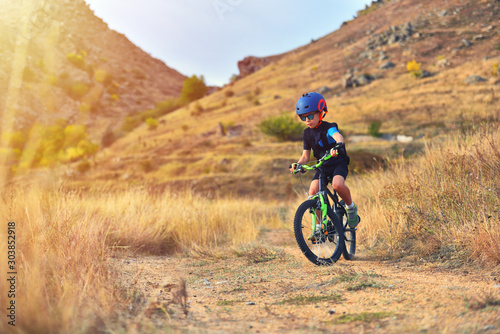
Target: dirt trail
x=272, y=288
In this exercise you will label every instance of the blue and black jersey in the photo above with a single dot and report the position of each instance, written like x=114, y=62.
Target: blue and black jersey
x=320, y=140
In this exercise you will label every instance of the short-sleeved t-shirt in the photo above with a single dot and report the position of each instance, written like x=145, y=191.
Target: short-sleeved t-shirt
x=314, y=139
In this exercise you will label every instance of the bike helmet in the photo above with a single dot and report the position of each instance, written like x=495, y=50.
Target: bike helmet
x=310, y=102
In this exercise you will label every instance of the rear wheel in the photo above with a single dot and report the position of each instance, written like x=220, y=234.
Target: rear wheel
x=349, y=234
x=321, y=247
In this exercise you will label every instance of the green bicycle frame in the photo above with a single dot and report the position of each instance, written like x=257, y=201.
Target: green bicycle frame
x=323, y=210
x=321, y=194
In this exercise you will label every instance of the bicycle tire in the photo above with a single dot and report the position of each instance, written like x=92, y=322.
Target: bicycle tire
x=349, y=236
x=326, y=250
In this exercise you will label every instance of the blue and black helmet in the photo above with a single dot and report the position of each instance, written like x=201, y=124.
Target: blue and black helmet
x=310, y=102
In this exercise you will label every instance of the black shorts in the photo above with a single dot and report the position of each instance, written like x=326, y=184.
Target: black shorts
x=331, y=171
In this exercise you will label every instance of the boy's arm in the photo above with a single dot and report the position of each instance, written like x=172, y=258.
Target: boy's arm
x=338, y=139
x=306, y=155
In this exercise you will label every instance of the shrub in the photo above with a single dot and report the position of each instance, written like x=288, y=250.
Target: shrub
x=193, y=88
x=14, y=140
x=146, y=166
x=152, y=123
x=83, y=166
x=229, y=93
x=77, y=59
x=283, y=127
x=130, y=123
x=495, y=70
x=164, y=107
x=103, y=76
x=87, y=148
x=73, y=134
x=414, y=68
x=374, y=129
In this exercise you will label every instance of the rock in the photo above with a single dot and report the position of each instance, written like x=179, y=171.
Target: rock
x=393, y=39
x=250, y=303
x=466, y=43
x=488, y=328
x=332, y=311
x=489, y=28
x=387, y=65
x=442, y=13
x=443, y=62
x=324, y=90
x=252, y=64
x=425, y=74
x=234, y=130
x=392, y=35
x=347, y=81
x=404, y=139
x=363, y=80
x=388, y=136
x=473, y=79
x=478, y=37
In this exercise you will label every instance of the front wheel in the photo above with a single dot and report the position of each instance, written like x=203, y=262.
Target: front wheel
x=321, y=247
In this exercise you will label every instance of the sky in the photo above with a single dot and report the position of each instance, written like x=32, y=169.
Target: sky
x=209, y=37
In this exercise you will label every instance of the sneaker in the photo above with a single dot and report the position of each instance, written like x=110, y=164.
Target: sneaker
x=352, y=216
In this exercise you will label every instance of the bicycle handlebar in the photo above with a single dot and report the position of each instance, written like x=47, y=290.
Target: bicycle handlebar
x=304, y=168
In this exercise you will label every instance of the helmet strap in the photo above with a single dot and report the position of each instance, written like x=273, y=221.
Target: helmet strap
x=321, y=116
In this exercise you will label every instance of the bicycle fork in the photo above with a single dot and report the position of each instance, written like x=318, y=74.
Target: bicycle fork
x=316, y=226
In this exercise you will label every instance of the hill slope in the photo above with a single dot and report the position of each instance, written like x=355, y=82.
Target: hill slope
x=61, y=61
x=215, y=144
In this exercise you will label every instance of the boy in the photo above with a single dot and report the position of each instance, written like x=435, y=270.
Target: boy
x=324, y=137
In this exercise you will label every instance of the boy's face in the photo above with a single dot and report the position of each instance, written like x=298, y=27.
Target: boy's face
x=312, y=123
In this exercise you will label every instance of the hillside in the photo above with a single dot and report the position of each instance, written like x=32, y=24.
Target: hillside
x=214, y=144
x=60, y=61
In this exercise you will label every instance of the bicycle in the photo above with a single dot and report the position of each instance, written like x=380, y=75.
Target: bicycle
x=321, y=229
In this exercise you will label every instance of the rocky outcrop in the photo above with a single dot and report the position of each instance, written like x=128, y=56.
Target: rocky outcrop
x=350, y=80
x=252, y=64
x=395, y=34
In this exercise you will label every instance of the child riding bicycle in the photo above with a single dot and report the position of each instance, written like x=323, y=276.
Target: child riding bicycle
x=323, y=137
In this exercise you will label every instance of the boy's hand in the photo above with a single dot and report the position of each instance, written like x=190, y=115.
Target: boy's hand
x=292, y=167
x=334, y=152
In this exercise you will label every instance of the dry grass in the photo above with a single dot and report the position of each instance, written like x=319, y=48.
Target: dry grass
x=442, y=205
x=65, y=238
x=61, y=256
